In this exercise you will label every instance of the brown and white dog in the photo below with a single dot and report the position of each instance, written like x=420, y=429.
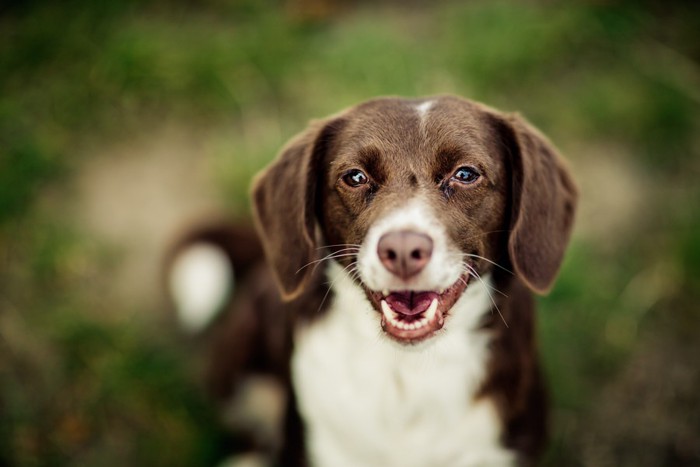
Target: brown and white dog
x=405, y=238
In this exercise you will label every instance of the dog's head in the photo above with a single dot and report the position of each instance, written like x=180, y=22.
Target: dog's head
x=417, y=197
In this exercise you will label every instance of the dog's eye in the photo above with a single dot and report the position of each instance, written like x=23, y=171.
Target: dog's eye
x=466, y=175
x=355, y=178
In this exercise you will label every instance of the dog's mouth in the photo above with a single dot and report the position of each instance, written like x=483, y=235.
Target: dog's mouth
x=413, y=316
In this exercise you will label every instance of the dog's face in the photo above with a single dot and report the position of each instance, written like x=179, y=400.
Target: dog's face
x=423, y=202
x=416, y=199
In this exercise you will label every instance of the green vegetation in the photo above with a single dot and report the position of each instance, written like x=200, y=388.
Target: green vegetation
x=616, y=86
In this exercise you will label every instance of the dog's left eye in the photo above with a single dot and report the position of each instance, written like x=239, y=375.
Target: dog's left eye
x=355, y=178
x=466, y=175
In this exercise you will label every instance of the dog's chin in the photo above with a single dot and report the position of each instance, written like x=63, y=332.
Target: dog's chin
x=409, y=317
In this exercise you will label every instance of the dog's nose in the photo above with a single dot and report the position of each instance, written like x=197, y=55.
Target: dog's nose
x=404, y=253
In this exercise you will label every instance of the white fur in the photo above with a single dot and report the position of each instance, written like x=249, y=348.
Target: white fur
x=443, y=269
x=368, y=401
x=423, y=108
x=200, y=280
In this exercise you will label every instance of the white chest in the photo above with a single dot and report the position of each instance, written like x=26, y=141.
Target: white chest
x=367, y=401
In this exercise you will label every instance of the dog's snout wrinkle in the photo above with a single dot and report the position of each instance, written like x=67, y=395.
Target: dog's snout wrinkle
x=405, y=253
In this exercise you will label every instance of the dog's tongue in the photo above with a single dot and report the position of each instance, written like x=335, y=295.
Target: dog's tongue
x=410, y=303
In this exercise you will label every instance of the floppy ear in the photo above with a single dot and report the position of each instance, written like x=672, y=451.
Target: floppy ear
x=544, y=204
x=284, y=200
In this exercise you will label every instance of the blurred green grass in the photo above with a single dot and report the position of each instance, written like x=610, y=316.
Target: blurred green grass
x=81, y=388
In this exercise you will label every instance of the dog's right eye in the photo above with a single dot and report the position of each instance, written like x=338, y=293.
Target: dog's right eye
x=355, y=178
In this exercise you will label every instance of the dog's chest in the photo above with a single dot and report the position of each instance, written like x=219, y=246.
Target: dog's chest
x=368, y=401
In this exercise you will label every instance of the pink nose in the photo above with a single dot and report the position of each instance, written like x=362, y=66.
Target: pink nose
x=405, y=253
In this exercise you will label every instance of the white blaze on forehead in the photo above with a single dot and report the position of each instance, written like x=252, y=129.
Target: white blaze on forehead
x=423, y=109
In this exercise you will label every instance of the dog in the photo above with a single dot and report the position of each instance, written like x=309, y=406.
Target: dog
x=404, y=240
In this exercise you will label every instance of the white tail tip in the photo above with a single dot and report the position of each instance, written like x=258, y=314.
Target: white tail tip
x=200, y=282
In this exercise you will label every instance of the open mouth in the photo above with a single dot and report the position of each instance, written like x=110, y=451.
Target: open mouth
x=413, y=316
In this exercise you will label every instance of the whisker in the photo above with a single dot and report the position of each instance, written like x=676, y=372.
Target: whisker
x=343, y=250
x=318, y=262
x=475, y=274
x=329, y=257
x=325, y=296
x=353, y=271
x=355, y=275
x=469, y=269
x=330, y=286
x=488, y=261
x=334, y=255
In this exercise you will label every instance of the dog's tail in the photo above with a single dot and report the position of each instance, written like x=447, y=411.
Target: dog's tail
x=202, y=268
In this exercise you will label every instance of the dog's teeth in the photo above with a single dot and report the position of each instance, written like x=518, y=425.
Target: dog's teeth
x=386, y=309
x=392, y=317
x=390, y=314
x=430, y=313
x=441, y=291
x=385, y=292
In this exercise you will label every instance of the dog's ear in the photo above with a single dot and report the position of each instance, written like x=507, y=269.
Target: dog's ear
x=544, y=199
x=284, y=206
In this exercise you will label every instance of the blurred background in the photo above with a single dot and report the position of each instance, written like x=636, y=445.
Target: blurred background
x=123, y=121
